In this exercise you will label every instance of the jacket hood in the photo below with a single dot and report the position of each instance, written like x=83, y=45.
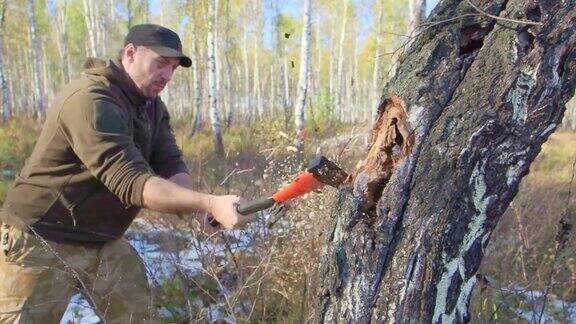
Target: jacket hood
x=114, y=72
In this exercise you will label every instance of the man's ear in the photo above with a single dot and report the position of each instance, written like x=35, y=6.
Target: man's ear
x=129, y=52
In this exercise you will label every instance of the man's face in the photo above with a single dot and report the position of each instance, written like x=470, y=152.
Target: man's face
x=150, y=71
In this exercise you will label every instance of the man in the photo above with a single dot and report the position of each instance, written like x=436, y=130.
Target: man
x=105, y=151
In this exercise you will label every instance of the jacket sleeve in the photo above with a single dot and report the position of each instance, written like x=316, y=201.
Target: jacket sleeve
x=96, y=129
x=166, y=159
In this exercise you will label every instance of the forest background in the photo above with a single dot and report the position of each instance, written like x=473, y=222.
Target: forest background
x=272, y=84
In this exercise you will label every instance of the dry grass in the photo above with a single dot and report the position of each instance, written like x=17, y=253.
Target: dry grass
x=522, y=251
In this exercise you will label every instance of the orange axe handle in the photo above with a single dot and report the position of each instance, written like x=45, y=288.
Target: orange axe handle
x=303, y=183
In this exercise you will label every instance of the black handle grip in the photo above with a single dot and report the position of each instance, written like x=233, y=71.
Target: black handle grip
x=255, y=206
x=249, y=208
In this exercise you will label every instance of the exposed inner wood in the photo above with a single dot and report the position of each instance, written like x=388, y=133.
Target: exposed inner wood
x=392, y=140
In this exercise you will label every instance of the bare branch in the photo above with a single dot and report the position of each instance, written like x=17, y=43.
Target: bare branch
x=484, y=13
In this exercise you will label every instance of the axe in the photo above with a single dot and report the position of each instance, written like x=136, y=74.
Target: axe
x=320, y=172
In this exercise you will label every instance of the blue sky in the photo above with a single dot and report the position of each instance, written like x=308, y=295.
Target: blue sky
x=294, y=8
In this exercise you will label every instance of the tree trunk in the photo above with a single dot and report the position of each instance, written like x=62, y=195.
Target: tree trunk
x=303, y=76
x=4, y=85
x=569, y=120
x=228, y=68
x=61, y=14
x=417, y=14
x=129, y=14
x=257, y=44
x=331, y=67
x=197, y=120
x=318, y=63
x=376, y=72
x=340, y=80
x=408, y=237
x=286, y=86
x=145, y=12
x=35, y=57
x=272, y=103
x=212, y=79
x=161, y=9
x=276, y=45
x=25, y=100
x=47, y=82
x=90, y=17
x=353, y=104
x=247, y=94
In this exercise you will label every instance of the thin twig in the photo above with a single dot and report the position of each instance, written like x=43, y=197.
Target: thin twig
x=525, y=22
x=481, y=13
x=228, y=176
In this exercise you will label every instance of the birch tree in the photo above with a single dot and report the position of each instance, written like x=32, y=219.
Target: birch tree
x=377, y=58
x=417, y=15
x=318, y=63
x=331, y=68
x=247, y=96
x=227, y=73
x=91, y=18
x=287, y=102
x=35, y=57
x=466, y=115
x=5, y=108
x=212, y=79
x=276, y=39
x=129, y=14
x=257, y=90
x=340, y=81
x=61, y=7
x=305, y=56
x=197, y=102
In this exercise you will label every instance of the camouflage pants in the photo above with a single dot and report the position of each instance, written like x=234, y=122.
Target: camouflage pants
x=38, y=278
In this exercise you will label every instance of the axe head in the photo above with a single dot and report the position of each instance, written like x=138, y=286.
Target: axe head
x=327, y=172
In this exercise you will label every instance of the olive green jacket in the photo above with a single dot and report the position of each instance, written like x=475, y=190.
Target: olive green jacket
x=100, y=143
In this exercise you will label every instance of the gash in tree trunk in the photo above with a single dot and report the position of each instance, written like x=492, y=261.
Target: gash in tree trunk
x=479, y=96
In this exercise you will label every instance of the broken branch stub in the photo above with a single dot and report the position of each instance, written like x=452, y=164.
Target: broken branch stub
x=392, y=140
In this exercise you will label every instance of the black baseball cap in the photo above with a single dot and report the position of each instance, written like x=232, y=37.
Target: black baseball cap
x=160, y=39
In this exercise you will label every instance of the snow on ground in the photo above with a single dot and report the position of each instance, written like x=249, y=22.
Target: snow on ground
x=534, y=302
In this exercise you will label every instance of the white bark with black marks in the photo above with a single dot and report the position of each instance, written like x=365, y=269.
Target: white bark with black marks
x=230, y=94
x=35, y=59
x=247, y=94
x=212, y=79
x=340, y=81
x=92, y=27
x=376, y=81
x=197, y=101
x=61, y=14
x=257, y=90
x=304, y=68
